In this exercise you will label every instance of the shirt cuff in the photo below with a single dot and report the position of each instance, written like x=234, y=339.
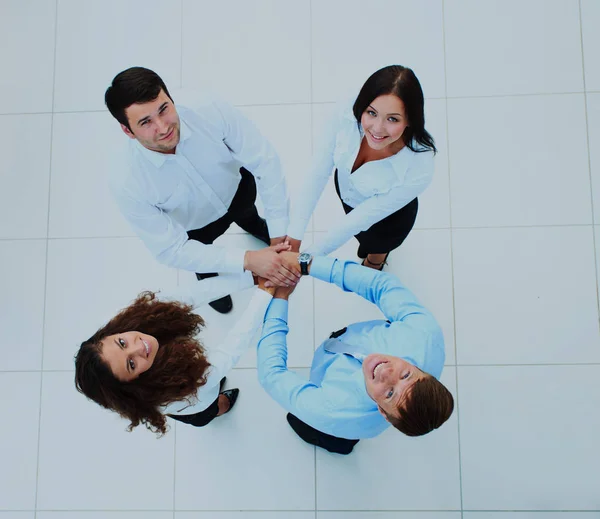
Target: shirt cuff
x=277, y=227
x=261, y=296
x=234, y=260
x=278, y=309
x=297, y=228
x=321, y=267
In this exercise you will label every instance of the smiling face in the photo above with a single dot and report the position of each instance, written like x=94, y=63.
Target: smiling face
x=388, y=379
x=129, y=354
x=384, y=122
x=155, y=124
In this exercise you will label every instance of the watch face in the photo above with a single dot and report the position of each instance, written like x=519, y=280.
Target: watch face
x=304, y=256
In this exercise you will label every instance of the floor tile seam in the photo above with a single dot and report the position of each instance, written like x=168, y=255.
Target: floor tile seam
x=416, y=229
x=463, y=365
x=449, y=155
x=589, y=157
x=45, y=291
x=314, y=302
x=327, y=102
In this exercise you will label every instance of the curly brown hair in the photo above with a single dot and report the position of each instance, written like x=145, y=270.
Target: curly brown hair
x=177, y=372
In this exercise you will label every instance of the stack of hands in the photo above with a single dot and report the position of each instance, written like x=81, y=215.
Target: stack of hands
x=276, y=269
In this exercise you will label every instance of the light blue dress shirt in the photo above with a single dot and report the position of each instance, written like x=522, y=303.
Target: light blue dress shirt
x=334, y=400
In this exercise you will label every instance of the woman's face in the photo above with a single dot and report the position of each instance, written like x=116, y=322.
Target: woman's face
x=129, y=354
x=384, y=122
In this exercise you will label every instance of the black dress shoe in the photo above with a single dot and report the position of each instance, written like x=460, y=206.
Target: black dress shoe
x=222, y=383
x=231, y=395
x=223, y=305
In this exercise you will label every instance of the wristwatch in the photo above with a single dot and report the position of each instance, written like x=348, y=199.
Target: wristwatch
x=304, y=258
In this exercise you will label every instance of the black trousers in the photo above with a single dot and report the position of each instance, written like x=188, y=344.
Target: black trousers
x=242, y=211
x=387, y=234
x=199, y=419
x=320, y=439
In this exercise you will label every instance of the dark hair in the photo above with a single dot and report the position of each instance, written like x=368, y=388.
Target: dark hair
x=426, y=407
x=401, y=82
x=176, y=374
x=134, y=85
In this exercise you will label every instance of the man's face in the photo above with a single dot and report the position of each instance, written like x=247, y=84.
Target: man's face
x=388, y=379
x=155, y=124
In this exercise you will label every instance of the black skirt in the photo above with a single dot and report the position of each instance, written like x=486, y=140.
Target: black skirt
x=387, y=234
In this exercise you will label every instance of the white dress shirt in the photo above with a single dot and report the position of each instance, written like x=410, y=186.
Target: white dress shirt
x=222, y=357
x=375, y=190
x=163, y=196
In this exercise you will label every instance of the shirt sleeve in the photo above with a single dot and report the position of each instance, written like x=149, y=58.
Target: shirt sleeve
x=224, y=357
x=323, y=163
x=293, y=392
x=258, y=156
x=199, y=293
x=413, y=330
x=369, y=212
x=168, y=242
x=396, y=302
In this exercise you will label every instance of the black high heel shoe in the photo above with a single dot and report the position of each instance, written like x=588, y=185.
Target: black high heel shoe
x=378, y=265
x=232, y=395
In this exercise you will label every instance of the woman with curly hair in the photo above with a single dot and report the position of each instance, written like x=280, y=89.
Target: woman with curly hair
x=146, y=363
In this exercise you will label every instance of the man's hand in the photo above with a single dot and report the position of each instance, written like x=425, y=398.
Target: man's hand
x=290, y=260
x=278, y=240
x=294, y=243
x=267, y=263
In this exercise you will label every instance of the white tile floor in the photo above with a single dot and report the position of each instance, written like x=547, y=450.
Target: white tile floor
x=505, y=252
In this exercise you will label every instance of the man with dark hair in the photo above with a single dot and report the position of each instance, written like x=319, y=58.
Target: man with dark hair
x=193, y=173
x=366, y=376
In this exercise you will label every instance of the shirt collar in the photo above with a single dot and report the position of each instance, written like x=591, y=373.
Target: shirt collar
x=158, y=159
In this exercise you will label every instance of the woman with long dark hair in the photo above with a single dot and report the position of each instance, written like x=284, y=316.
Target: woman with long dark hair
x=383, y=160
x=147, y=363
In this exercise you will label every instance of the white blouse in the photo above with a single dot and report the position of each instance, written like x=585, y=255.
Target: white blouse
x=375, y=190
x=222, y=357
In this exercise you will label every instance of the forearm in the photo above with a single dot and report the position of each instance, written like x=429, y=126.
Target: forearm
x=198, y=293
x=363, y=217
x=272, y=346
x=239, y=338
x=194, y=256
x=272, y=190
x=380, y=288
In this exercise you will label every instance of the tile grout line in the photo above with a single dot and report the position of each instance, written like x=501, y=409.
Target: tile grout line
x=416, y=229
x=312, y=143
x=460, y=483
x=178, y=273
x=296, y=103
x=45, y=291
x=174, y=467
x=587, y=134
x=237, y=510
x=181, y=58
x=470, y=365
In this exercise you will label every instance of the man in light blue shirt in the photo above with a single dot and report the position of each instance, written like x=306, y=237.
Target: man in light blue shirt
x=366, y=376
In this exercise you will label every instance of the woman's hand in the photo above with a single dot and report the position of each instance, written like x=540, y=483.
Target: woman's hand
x=261, y=285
